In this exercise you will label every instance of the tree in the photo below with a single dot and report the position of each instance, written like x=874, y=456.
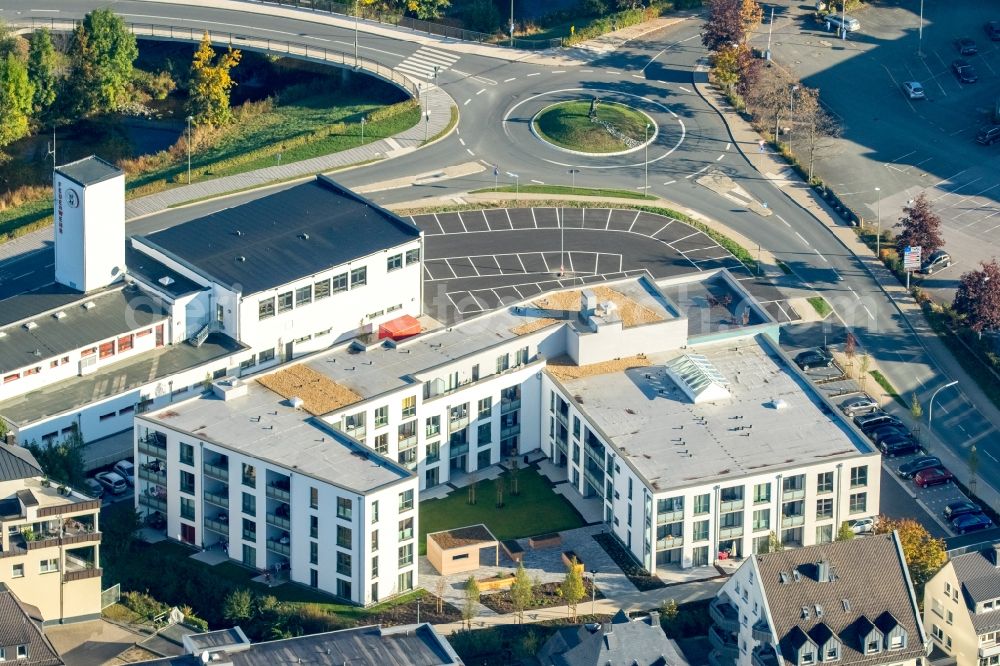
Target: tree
x=669, y=612
x=62, y=462
x=238, y=605
x=816, y=125
x=16, y=93
x=118, y=535
x=924, y=554
x=42, y=64
x=916, y=409
x=471, y=605
x=439, y=589
x=500, y=489
x=773, y=545
x=845, y=533
x=515, y=470
x=921, y=227
x=978, y=297
x=211, y=83
x=726, y=66
x=102, y=52
x=482, y=16
x=723, y=27
x=521, y=592
x=866, y=363
x=572, y=588
x=428, y=9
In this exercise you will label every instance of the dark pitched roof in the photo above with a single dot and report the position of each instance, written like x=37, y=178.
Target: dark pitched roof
x=820, y=633
x=871, y=576
x=978, y=575
x=16, y=462
x=621, y=642
x=89, y=170
x=285, y=236
x=20, y=624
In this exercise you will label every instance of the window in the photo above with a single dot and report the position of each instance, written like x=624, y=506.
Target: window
x=186, y=454
x=359, y=277
x=762, y=519
x=824, y=508
x=937, y=607
x=936, y=632
x=22, y=651
x=381, y=416
x=313, y=552
x=313, y=498
x=249, y=504
x=374, y=540
x=48, y=566
x=951, y=618
x=433, y=426
x=762, y=493
x=9, y=378
x=375, y=566
x=406, y=500
x=896, y=642
x=576, y=427
x=405, y=529
x=873, y=645
x=17, y=571
x=859, y=476
x=484, y=433
x=702, y=504
x=249, y=475
x=412, y=255
x=125, y=343
x=107, y=349
x=824, y=533
x=832, y=653
x=267, y=355
x=406, y=554
x=303, y=295
x=382, y=443
x=249, y=362
x=503, y=362
x=409, y=406
x=344, y=508
x=859, y=503
x=808, y=657
x=187, y=482
x=485, y=408
x=250, y=534
x=187, y=508
x=344, y=563
x=285, y=302
x=394, y=263
x=374, y=512
x=405, y=581
x=947, y=589
x=433, y=453
x=824, y=482
x=314, y=527
x=343, y=588
x=700, y=530
x=339, y=284
x=794, y=484
x=521, y=356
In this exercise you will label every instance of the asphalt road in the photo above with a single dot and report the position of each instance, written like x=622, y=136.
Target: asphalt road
x=495, y=98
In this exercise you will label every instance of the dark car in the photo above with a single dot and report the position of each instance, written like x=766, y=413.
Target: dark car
x=971, y=522
x=966, y=46
x=885, y=430
x=988, y=135
x=993, y=30
x=960, y=508
x=932, y=477
x=859, y=404
x=869, y=422
x=898, y=446
x=813, y=358
x=906, y=470
x=965, y=72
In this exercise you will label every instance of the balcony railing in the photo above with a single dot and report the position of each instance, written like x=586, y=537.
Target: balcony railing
x=793, y=494
x=216, y=472
x=669, y=542
x=217, y=526
x=249, y=535
x=217, y=499
x=66, y=509
x=761, y=631
x=728, y=506
x=507, y=406
x=456, y=450
x=276, y=546
x=407, y=442
x=153, y=477
x=763, y=658
x=730, y=532
x=724, y=614
x=510, y=431
x=151, y=446
x=155, y=503
x=792, y=521
x=276, y=493
x=458, y=423
x=433, y=458
x=723, y=642
x=596, y=481
x=665, y=517
x=278, y=521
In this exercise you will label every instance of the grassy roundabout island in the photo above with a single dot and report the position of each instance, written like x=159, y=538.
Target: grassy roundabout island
x=568, y=125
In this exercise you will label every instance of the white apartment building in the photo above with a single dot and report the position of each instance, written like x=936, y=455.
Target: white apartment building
x=962, y=607
x=847, y=602
x=247, y=472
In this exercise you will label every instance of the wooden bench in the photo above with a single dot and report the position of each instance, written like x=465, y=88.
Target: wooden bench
x=545, y=540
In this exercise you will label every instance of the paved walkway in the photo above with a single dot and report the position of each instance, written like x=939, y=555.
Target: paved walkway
x=774, y=168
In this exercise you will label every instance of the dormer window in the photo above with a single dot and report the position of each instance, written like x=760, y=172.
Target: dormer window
x=988, y=605
x=22, y=651
x=807, y=657
x=873, y=645
x=896, y=642
x=832, y=652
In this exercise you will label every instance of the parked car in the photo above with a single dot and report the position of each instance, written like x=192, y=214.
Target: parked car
x=94, y=488
x=862, y=525
x=859, y=404
x=965, y=72
x=869, y=422
x=971, y=522
x=932, y=477
x=839, y=21
x=907, y=470
x=966, y=46
x=112, y=482
x=937, y=260
x=988, y=135
x=960, y=508
x=898, y=446
x=814, y=358
x=913, y=89
x=887, y=430
x=993, y=30
x=126, y=470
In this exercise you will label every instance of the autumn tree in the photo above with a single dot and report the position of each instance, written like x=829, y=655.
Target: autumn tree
x=238, y=605
x=750, y=70
x=924, y=554
x=42, y=65
x=521, y=592
x=16, y=94
x=102, y=51
x=978, y=297
x=427, y=9
x=471, y=605
x=921, y=227
x=572, y=588
x=730, y=22
x=726, y=66
x=814, y=125
x=211, y=83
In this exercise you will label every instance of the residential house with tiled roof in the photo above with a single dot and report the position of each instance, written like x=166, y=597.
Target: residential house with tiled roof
x=21, y=637
x=847, y=602
x=962, y=607
x=620, y=642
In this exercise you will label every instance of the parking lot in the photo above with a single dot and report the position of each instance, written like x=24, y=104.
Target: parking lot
x=900, y=145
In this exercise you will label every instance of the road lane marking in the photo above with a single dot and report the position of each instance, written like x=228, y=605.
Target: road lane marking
x=466, y=102
x=801, y=238
x=783, y=220
x=821, y=256
x=870, y=316
x=535, y=74
x=513, y=78
x=651, y=60
x=470, y=152
x=684, y=89
x=481, y=92
x=698, y=171
x=461, y=141
x=670, y=182
x=719, y=157
x=728, y=146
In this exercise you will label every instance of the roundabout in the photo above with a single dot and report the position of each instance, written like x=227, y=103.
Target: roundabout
x=593, y=128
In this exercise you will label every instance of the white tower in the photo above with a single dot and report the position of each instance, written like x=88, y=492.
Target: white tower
x=89, y=212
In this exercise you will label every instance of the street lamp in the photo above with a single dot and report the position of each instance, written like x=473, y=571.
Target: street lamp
x=930, y=407
x=362, y=130
x=517, y=184
x=878, y=222
x=920, y=32
x=645, y=160
x=355, y=34
x=189, y=119
x=427, y=120
x=512, y=23
x=593, y=592
x=572, y=173
x=791, y=112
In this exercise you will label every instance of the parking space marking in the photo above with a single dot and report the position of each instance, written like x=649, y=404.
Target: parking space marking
x=463, y=223
x=533, y=219
x=448, y=264
x=633, y=221
x=439, y=224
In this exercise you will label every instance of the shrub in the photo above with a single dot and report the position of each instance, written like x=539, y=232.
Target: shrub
x=143, y=604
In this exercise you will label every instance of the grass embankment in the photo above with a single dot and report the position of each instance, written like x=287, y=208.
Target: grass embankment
x=887, y=386
x=571, y=191
x=568, y=125
x=820, y=305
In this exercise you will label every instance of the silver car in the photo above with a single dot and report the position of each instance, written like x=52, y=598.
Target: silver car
x=860, y=404
x=913, y=89
x=939, y=259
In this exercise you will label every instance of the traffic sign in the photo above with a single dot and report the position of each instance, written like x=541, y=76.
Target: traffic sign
x=911, y=258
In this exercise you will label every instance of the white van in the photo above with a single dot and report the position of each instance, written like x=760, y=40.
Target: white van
x=839, y=21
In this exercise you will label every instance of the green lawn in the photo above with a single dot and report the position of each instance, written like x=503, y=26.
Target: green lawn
x=536, y=510
x=568, y=125
x=575, y=191
x=820, y=305
x=887, y=386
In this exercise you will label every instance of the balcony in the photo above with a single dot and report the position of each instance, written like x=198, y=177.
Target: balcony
x=155, y=503
x=275, y=546
x=457, y=450
x=793, y=494
x=217, y=499
x=724, y=615
x=216, y=472
x=730, y=532
x=250, y=535
x=762, y=631
x=151, y=445
x=275, y=520
x=715, y=659
x=457, y=423
x=763, y=657
x=275, y=492
x=217, y=526
x=507, y=406
x=728, y=506
x=407, y=441
x=593, y=479
x=989, y=650
x=669, y=542
x=792, y=521
x=509, y=431
x=724, y=643
x=665, y=517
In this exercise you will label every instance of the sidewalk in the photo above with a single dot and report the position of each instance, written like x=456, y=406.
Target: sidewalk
x=773, y=167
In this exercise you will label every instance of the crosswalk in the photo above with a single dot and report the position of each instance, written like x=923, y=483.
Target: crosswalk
x=422, y=63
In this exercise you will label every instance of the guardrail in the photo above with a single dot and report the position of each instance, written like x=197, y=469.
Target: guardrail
x=236, y=40
x=417, y=25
